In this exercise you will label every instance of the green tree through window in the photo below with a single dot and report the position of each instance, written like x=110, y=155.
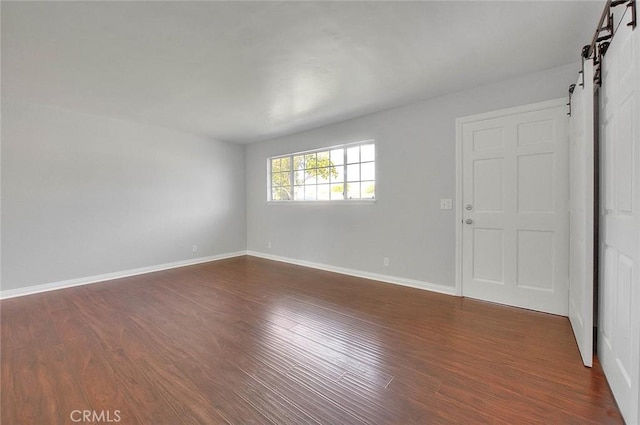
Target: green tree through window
x=324, y=174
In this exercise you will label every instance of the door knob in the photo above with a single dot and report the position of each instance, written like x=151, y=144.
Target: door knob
x=468, y=221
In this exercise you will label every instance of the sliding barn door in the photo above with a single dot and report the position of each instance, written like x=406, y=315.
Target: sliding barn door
x=581, y=213
x=515, y=207
x=619, y=310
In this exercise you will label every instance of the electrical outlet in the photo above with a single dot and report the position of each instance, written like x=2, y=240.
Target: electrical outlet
x=446, y=204
x=195, y=248
x=385, y=262
x=269, y=244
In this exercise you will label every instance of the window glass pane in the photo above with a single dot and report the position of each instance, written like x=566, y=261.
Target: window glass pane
x=337, y=190
x=323, y=159
x=310, y=193
x=323, y=175
x=367, y=153
x=310, y=176
x=323, y=192
x=353, y=172
x=276, y=165
x=353, y=190
x=298, y=162
x=280, y=194
x=285, y=163
x=368, y=189
x=299, y=178
x=337, y=174
x=337, y=156
x=353, y=154
x=276, y=178
x=310, y=161
x=298, y=193
x=285, y=193
x=280, y=179
x=368, y=171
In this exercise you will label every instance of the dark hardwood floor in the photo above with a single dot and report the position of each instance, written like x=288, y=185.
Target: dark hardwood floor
x=250, y=341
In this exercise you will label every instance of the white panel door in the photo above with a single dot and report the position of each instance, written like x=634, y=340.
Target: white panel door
x=581, y=214
x=619, y=289
x=515, y=200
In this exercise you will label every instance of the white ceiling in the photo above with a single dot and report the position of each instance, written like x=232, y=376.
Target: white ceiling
x=248, y=71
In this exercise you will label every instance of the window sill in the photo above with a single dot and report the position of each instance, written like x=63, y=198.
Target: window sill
x=336, y=202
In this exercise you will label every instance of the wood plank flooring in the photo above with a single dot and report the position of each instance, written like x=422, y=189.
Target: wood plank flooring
x=250, y=341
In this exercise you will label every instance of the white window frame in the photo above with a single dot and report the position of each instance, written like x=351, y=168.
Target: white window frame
x=344, y=200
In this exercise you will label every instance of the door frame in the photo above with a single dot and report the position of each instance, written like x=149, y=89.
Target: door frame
x=554, y=103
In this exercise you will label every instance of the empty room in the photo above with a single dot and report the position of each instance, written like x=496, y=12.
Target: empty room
x=320, y=212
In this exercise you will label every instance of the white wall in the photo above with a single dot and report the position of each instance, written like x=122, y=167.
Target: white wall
x=84, y=195
x=415, y=169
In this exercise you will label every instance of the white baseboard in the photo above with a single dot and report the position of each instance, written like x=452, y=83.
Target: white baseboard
x=35, y=289
x=434, y=287
x=28, y=290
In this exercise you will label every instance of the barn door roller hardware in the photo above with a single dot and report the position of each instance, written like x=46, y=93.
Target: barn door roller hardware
x=601, y=38
x=601, y=41
x=572, y=87
x=584, y=56
x=634, y=14
x=603, y=35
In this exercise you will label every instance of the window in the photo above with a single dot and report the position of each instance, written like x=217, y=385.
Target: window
x=332, y=174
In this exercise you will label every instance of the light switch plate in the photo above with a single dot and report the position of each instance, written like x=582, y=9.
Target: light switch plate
x=446, y=204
